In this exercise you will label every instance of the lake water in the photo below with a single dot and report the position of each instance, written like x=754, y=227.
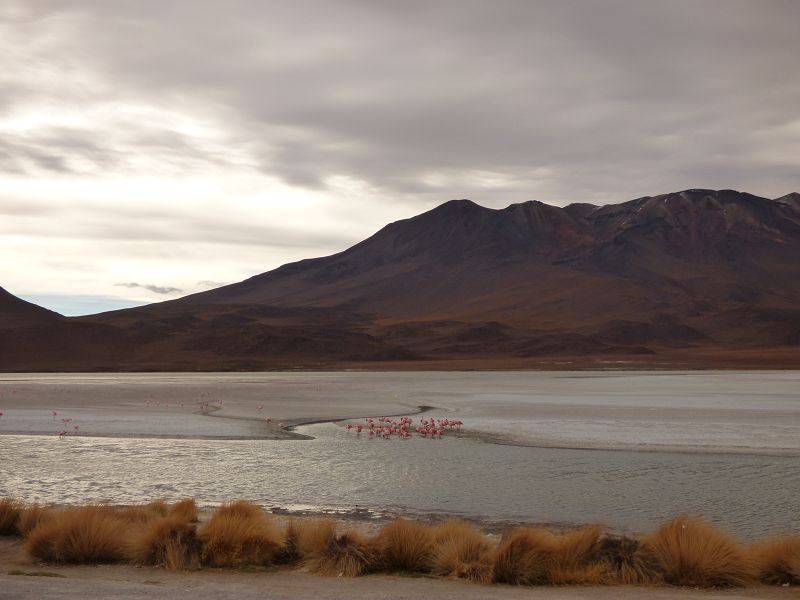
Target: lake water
x=746, y=478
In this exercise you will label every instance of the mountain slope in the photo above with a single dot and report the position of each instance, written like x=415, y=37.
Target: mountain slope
x=655, y=279
x=16, y=312
x=698, y=251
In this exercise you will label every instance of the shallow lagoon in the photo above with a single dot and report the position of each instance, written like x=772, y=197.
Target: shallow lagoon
x=631, y=449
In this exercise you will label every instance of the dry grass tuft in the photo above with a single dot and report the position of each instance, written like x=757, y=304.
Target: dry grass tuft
x=524, y=556
x=240, y=534
x=240, y=509
x=289, y=553
x=691, y=552
x=87, y=534
x=142, y=513
x=576, y=558
x=462, y=552
x=158, y=508
x=185, y=509
x=32, y=516
x=313, y=535
x=304, y=538
x=405, y=546
x=10, y=511
x=533, y=556
x=166, y=542
x=345, y=555
x=777, y=561
x=626, y=562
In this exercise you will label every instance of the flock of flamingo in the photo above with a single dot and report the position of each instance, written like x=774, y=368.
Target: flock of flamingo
x=67, y=426
x=404, y=427
x=67, y=423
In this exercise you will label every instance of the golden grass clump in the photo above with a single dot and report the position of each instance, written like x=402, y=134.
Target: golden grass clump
x=777, y=561
x=311, y=535
x=87, y=534
x=289, y=553
x=534, y=556
x=143, y=513
x=347, y=554
x=33, y=515
x=524, y=556
x=185, y=509
x=240, y=509
x=576, y=558
x=166, y=542
x=304, y=537
x=10, y=511
x=405, y=546
x=691, y=552
x=462, y=552
x=626, y=562
x=240, y=534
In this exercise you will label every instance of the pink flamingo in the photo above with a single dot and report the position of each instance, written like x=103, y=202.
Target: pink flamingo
x=55, y=414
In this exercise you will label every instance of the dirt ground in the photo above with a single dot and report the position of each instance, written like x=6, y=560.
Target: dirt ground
x=23, y=579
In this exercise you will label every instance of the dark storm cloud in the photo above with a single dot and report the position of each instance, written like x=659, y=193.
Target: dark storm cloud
x=156, y=289
x=500, y=101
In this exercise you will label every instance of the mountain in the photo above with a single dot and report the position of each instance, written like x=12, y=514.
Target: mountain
x=16, y=312
x=693, y=278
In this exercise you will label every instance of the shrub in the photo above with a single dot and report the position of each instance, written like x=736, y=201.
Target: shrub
x=240, y=534
x=534, y=556
x=240, y=509
x=345, y=555
x=777, y=561
x=142, y=513
x=462, y=552
x=10, y=511
x=524, y=556
x=34, y=515
x=691, y=552
x=185, y=509
x=405, y=546
x=626, y=562
x=313, y=535
x=576, y=558
x=88, y=534
x=167, y=542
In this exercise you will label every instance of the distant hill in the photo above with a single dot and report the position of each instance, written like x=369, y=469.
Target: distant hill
x=16, y=312
x=694, y=278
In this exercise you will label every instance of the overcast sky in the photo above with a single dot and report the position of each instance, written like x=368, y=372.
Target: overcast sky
x=154, y=148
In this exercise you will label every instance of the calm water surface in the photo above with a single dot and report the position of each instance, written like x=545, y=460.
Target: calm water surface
x=629, y=490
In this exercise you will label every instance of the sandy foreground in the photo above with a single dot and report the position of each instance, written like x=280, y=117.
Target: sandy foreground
x=22, y=579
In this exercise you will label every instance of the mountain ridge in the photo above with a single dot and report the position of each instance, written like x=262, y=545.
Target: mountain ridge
x=670, y=275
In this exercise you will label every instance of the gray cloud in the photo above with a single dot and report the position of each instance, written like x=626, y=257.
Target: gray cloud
x=565, y=101
x=156, y=289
